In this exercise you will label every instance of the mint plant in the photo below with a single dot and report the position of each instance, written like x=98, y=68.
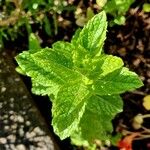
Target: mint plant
x=82, y=82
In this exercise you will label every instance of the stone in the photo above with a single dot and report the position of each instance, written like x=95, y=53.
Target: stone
x=20, y=147
x=3, y=140
x=20, y=121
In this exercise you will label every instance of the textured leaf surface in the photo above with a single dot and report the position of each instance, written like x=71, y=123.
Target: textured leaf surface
x=83, y=84
x=94, y=124
x=68, y=108
x=34, y=43
x=64, y=48
x=75, y=37
x=41, y=79
x=47, y=68
x=93, y=34
x=103, y=65
x=41, y=89
x=117, y=82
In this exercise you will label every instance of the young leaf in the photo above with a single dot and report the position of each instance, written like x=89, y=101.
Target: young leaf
x=34, y=42
x=75, y=37
x=117, y=9
x=93, y=34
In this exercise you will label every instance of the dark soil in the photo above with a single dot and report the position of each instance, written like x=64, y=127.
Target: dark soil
x=131, y=42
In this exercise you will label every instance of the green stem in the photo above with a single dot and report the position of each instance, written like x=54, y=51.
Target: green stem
x=55, y=23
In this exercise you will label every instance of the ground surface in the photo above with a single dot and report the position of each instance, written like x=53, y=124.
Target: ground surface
x=21, y=124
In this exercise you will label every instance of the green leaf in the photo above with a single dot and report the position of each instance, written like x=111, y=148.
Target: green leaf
x=34, y=43
x=103, y=65
x=42, y=67
x=48, y=56
x=41, y=89
x=29, y=4
x=38, y=74
x=94, y=123
x=64, y=48
x=115, y=139
x=75, y=37
x=93, y=34
x=146, y=7
x=89, y=13
x=120, y=20
x=117, y=9
x=19, y=70
x=117, y=82
x=110, y=7
x=68, y=108
x=47, y=26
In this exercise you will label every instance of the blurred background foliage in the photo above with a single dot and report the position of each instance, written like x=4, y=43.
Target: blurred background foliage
x=53, y=20
x=22, y=17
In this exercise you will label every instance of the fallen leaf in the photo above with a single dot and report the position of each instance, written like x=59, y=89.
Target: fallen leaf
x=126, y=142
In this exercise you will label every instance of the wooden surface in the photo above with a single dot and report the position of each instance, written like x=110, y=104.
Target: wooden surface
x=21, y=125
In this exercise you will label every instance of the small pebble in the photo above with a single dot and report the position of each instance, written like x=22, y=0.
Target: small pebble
x=5, y=121
x=12, y=99
x=12, y=147
x=38, y=130
x=21, y=132
x=12, y=117
x=20, y=147
x=11, y=112
x=6, y=146
x=11, y=138
x=3, y=140
x=25, y=97
x=17, y=79
x=3, y=89
x=12, y=105
x=30, y=135
x=20, y=119
x=28, y=123
x=6, y=127
x=1, y=105
x=5, y=116
x=14, y=126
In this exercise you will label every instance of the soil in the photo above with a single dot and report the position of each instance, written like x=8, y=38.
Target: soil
x=131, y=42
